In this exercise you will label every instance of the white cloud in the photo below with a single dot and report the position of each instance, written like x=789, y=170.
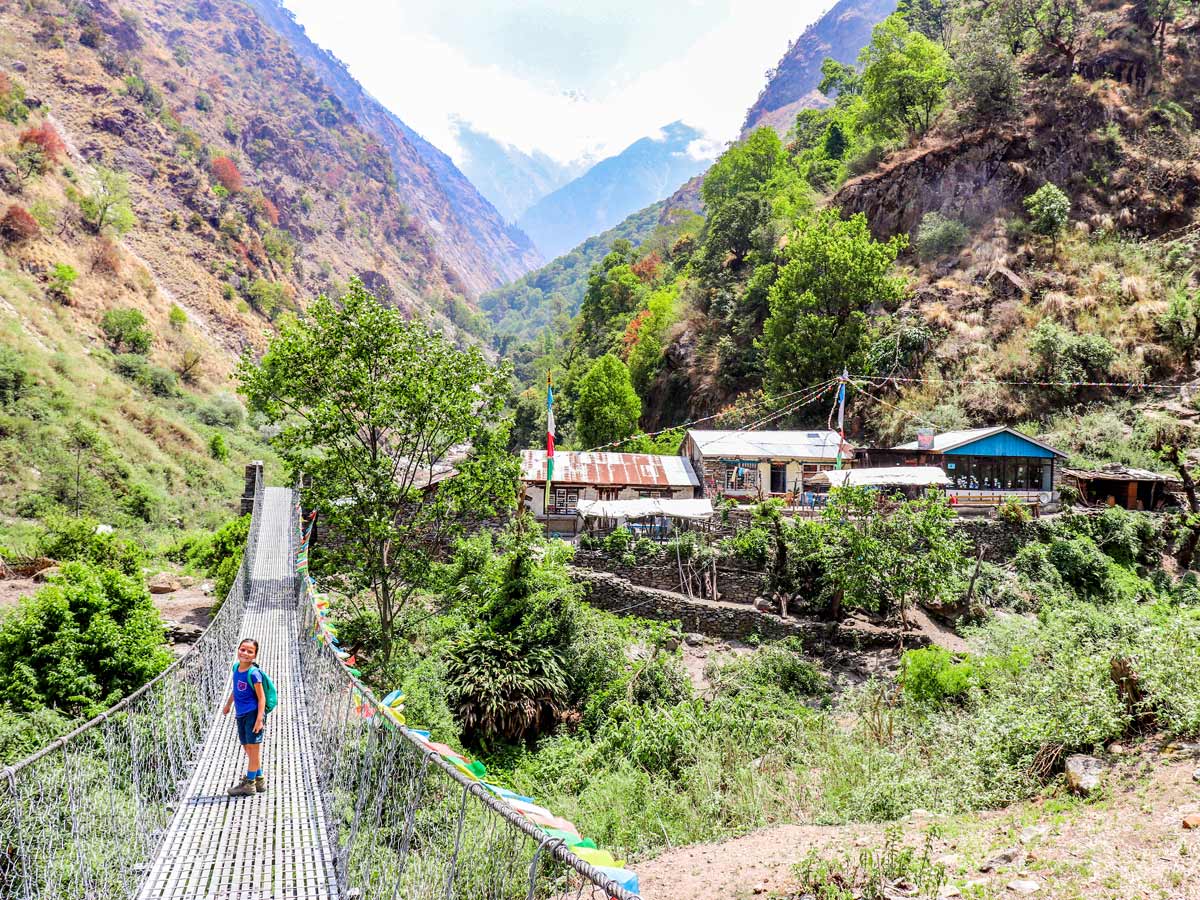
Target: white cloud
x=428, y=80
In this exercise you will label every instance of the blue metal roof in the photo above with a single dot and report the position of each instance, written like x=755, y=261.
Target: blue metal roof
x=1003, y=443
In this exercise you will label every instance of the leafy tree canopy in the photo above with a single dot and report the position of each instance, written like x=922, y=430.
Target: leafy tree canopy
x=81, y=643
x=834, y=273
x=608, y=408
x=904, y=78
x=371, y=407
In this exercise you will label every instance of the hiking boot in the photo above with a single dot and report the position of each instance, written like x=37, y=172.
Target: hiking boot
x=243, y=788
x=260, y=784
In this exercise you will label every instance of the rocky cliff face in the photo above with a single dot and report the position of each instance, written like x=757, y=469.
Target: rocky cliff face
x=840, y=34
x=1098, y=141
x=472, y=235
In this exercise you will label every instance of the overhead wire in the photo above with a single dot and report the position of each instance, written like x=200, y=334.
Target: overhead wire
x=725, y=412
x=1129, y=385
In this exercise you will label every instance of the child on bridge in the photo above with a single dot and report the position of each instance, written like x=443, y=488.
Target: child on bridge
x=251, y=704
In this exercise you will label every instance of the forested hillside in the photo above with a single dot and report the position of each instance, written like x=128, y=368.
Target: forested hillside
x=986, y=202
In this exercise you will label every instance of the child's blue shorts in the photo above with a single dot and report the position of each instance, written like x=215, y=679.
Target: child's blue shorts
x=245, y=728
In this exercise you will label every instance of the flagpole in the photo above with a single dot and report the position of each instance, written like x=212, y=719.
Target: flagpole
x=549, y=440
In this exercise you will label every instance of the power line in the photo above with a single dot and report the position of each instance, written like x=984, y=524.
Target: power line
x=725, y=412
x=1129, y=385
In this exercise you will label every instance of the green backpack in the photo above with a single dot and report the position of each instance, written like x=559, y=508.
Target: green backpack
x=269, y=692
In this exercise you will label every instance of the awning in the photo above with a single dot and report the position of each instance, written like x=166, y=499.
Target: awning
x=887, y=476
x=647, y=506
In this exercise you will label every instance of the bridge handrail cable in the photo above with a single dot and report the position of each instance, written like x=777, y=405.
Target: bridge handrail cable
x=386, y=751
x=118, y=774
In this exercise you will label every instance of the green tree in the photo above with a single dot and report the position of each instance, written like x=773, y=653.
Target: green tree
x=987, y=85
x=81, y=643
x=62, y=277
x=126, y=328
x=904, y=76
x=177, y=317
x=839, y=79
x=608, y=407
x=370, y=407
x=508, y=675
x=1058, y=25
x=886, y=553
x=743, y=168
x=1180, y=324
x=835, y=143
x=834, y=272
x=109, y=204
x=1049, y=209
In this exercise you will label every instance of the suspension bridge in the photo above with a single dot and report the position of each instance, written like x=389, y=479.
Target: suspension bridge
x=133, y=803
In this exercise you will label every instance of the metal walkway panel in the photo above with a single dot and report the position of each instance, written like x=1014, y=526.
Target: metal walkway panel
x=271, y=846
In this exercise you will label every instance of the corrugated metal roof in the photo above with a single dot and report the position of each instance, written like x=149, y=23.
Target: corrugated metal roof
x=768, y=444
x=1117, y=473
x=949, y=440
x=633, y=469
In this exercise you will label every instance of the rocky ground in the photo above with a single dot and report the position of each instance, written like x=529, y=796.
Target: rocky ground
x=1132, y=840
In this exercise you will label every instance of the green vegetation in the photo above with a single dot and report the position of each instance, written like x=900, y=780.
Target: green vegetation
x=608, y=408
x=369, y=405
x=108, y=204
x=81, y=643
x=126, y=330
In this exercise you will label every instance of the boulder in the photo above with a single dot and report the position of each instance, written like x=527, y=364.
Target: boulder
x=1192, y=821
x=164, y=583
x=1009, y=857
x=1024, y=886
x=1084, y=774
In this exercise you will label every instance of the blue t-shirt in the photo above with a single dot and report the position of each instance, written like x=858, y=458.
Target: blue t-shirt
x=244, y=699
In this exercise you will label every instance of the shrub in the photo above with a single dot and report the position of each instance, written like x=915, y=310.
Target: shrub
x=62, y=277
x=750, y=545
x=223, y=411
x=987, y=86
x=140, y=502
x=106, y=258
x=160, y=381
x=226, y=172
x=12, y=101
x=780, y=666
x=1049, y=209
x=1082, y=566
x=126, y=328
x=931, y=675
x=130, y=365
x=267, y=297
x=82, y=642
x=177, y=317
x=18, y=225
x=203, y=102
x=66, y=539
x=618, y=541
x=217, y=447
x=1012, y=512
x=47, y=139
x=938, y=236
x=13, y=375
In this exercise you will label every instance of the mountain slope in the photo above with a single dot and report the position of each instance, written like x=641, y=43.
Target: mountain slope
x=510, y=178
x=643, y=173
x=839, y=34
x=472, y=236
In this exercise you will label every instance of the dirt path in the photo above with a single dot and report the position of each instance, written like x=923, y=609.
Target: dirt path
x=1130, y=844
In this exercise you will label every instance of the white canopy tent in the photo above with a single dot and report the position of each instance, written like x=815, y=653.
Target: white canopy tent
x=644, y=507
x=888, y=476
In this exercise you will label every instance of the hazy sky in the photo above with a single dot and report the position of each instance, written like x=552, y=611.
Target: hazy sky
x=568, y=78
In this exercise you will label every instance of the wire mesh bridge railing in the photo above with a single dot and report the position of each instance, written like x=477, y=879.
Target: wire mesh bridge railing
x=93, y=815
x=83, y=816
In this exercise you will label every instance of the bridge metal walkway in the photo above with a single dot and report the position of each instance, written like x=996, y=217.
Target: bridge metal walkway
x=271, y=846
x=133, y=803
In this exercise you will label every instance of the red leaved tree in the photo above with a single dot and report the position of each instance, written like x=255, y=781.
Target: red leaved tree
x=47, y=139
x=648, y=267
x=18, y=225
x=225, y=170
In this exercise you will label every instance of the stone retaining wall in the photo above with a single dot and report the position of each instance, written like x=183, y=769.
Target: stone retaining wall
x=729, y=621
x=733, y=585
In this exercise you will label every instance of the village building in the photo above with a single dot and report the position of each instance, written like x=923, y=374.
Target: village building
x=1124, y=486
x=600, y=476
x=754, y=464
x=983, y=464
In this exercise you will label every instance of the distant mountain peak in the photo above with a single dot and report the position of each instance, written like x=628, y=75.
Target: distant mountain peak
x=646, y=171
x=841, y=33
